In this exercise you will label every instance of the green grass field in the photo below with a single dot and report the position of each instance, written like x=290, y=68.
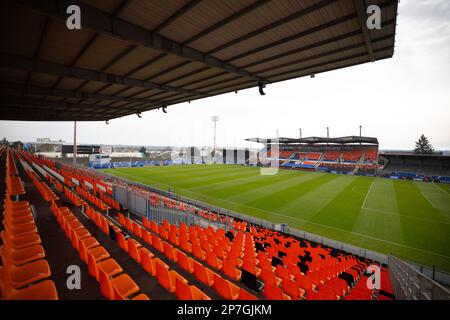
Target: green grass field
x=408, y=218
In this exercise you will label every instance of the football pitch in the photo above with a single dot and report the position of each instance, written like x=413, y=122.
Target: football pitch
x=410, y=219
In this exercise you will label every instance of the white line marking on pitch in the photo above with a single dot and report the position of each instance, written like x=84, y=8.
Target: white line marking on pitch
x=434, y=185
x=367, y=195
x=428, y=199
x=406, y=216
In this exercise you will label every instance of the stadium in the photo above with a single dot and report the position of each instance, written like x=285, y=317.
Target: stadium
x=275, y=218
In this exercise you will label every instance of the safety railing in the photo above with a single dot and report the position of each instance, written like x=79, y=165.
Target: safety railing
x=410, y=284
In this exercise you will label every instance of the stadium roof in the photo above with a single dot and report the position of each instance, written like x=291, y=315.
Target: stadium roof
x=317, y=140
x=136, y=55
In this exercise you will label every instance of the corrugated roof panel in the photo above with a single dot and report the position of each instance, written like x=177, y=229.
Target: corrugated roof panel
x=210, y=72
x=249, y=22
x=132, y=60
x=203, y=84
x=69, y=83
x=291, y=28
x=150, y=13
x=227, y=83
x=324, y=60
x=306, y=54
x=131, y=92
x=307, y=40
x=195, y=20
x=93, y=86
x=12, y=75
x=113, y=89
x=105, y=5
x=42, y=79
x=147, y=93
x=26, y=36
x=155, y=68
x=63, y=45
x=55, y=99
x=179, y=72
x=100, y=53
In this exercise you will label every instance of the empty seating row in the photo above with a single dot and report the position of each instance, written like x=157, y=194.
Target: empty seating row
x=352, y=155
x=114, y=283
x=331, y=155
x=371, y=155
x=74, y=198
x=93, y=199
x=319, y=280
x=169, y=279
x=223, y=287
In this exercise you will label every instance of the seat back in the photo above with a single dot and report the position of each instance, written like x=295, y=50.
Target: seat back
x=162, y=274
x=221, y=287
x=183, y=261
x=92, y=266
x=182, y=290
x=146, y=236
x=168, y=251
x=201, y=273
x=121, y=241
x=291, y=288
x=134, y=250
x=136, y=229
x=198, y=294
x=245, y=295
x=229, y=269
x=212, y=260
x=272, y=292
x=147, y=261
x=156, y=243
x=105, y=285
x=268, y=277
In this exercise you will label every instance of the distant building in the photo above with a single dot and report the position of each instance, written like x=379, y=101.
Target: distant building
x=49, y=141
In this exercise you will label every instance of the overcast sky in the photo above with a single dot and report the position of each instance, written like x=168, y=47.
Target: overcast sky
x=394, y=100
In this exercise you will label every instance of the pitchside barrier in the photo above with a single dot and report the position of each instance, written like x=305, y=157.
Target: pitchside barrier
x=141, y=206
x=423, y=277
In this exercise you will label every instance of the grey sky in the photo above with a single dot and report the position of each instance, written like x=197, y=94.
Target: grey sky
x=395, y=100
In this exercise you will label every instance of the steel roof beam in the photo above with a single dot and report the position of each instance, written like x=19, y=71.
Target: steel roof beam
x=185, y=9
x=250, y=84
x=296, y=36
x=273, y=25
x=227, y=20
x=322, y=55
x=51, y=105
x=14, y=89
x=360, y=6
x=294, y=51
x=278, y=23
